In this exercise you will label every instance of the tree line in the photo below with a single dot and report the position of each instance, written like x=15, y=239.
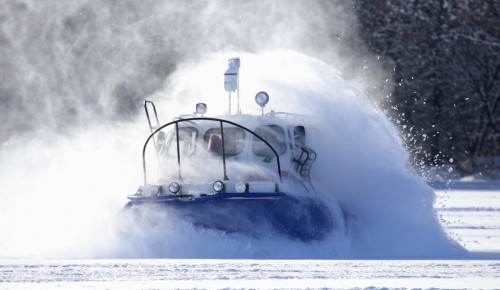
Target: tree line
x=446, y=60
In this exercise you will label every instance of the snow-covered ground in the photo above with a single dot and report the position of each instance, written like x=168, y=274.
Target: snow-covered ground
x=249, y=274
x=471, y=216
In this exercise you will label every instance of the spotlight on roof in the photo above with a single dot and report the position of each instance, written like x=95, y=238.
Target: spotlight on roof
x=262, y=98
x=201, y=108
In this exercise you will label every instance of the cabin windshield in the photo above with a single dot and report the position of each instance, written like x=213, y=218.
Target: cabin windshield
x=234, y=141
x=187, y=141
x=273, y=134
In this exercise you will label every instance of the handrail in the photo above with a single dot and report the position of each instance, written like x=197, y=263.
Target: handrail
x=178, y=151
x=151, y=126
x=176, y=122
x=146, y=102
x=289, y=116
x=223, y=151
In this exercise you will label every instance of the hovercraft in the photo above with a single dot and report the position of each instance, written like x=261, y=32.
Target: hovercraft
x=235, y=173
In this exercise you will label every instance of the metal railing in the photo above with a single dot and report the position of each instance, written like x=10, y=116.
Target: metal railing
x=191, y=120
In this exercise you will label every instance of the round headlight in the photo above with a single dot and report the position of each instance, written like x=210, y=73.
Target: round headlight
x=201, y=108
x=262, y=98
x=240, y=187
x=174, y=187
x=218, y=186
x=154, y=190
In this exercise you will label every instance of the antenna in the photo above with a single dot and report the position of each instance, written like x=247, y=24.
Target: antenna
x=231, y=79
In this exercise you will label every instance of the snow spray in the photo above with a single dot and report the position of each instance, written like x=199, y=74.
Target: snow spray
x=64, y=198
x=361, y=170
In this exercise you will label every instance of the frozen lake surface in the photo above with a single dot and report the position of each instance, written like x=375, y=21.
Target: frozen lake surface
x=471, y=216
x=287, y=274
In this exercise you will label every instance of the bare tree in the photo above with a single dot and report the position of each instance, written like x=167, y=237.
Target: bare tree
x=446, y=76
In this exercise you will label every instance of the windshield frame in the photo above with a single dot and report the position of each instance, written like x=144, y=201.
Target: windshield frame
x=191, y=120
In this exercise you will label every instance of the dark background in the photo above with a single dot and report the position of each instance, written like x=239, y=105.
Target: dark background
x=433, y=67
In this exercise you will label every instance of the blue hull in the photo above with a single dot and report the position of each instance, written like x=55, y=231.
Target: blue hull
x=303, y=219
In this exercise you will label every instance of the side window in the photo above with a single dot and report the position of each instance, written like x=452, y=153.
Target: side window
x=187, y=141
x=299, y=135
x=274, y=135
x=234, y=141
